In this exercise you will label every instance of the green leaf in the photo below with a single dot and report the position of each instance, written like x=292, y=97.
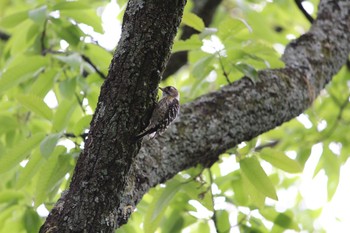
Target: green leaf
x=31, y=220
x=72, y=5
x=6, y=213
x=15, y=155
x=49, y=174
x=35, y=104
x=17, y=73
x=280, y=160
x=159, y=204
x=248, y=71
x=231, y=27
x=63, y=166
x=286, y=222
x=7, y=123
x=22, y=40
x=71, y=33
x=203, y=67
x=7, y=196
x=244, y=150
x=193, y=21
x=63, y=114
x=202, y=227
x=332, y=169
x=238, y=187
x=207, y=32
x=251, y=168
x=14, y=19
x=93, y=97
x=67, y=88
x=48, y=144
x=190, y=44
x=87, y=17
x=38, y=15
x=222, y=219
x=256, y=198
x=173, y=223
x=44, y=83
x=98, y=55
x=303, y=155
x=32, y=167
x=82, y=124
x=74, y=60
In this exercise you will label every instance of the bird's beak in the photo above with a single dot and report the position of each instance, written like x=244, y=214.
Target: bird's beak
x=161, y=89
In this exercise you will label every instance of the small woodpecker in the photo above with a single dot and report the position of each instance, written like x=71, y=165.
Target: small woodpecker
x=163, y=114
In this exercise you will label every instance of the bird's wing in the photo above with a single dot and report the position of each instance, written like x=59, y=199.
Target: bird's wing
x=168, y=115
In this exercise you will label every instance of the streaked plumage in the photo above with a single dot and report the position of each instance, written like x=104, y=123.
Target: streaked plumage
x=163, y=114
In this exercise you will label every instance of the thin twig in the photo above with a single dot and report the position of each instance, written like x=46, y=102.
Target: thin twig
x=71, y=135
x=240, y=222
x=195, y=177
x=214, y=217
x=80, y=103
x=87, y=59
x=45, y=51
x=311, y=20
x=269, y=144
x=302, y=9
x=334, y=98
x=42, y=39
x=337, y=120
x=223, y=68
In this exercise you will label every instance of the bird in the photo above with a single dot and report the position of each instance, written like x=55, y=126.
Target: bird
x=163, y=114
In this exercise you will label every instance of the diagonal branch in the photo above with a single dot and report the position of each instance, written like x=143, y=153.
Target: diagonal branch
x=302, y=9
x=45, y=51
x=112, y=175
x=241, y=111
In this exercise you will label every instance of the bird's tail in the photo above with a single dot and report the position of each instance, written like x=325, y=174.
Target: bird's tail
x=141, y=135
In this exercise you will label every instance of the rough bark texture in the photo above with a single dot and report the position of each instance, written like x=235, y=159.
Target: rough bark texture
x=93, y=202
x=111, y=178
x=241, y=111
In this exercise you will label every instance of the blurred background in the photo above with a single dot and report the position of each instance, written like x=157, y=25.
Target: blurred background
x=54, y=56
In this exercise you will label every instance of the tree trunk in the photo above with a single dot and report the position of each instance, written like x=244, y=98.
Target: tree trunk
x=111, y=176
x=94, y=202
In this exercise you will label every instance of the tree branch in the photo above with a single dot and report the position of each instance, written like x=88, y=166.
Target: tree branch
x=302, y=9
x=241, y=111
x=111, y=176
x=98, y=71
x=311, y=20
x=342, y=108
x=45, y=51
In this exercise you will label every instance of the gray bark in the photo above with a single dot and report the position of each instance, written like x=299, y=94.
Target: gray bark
x=112, y=174
x=215, y=122
x=93, y=201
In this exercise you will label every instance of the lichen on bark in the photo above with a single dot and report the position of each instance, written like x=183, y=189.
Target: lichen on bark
x=112, y=174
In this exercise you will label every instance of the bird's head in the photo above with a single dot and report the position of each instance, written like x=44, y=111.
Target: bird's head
x=170, y=91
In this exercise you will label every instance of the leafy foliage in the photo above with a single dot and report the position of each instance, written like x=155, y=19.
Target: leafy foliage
x=51, y=71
